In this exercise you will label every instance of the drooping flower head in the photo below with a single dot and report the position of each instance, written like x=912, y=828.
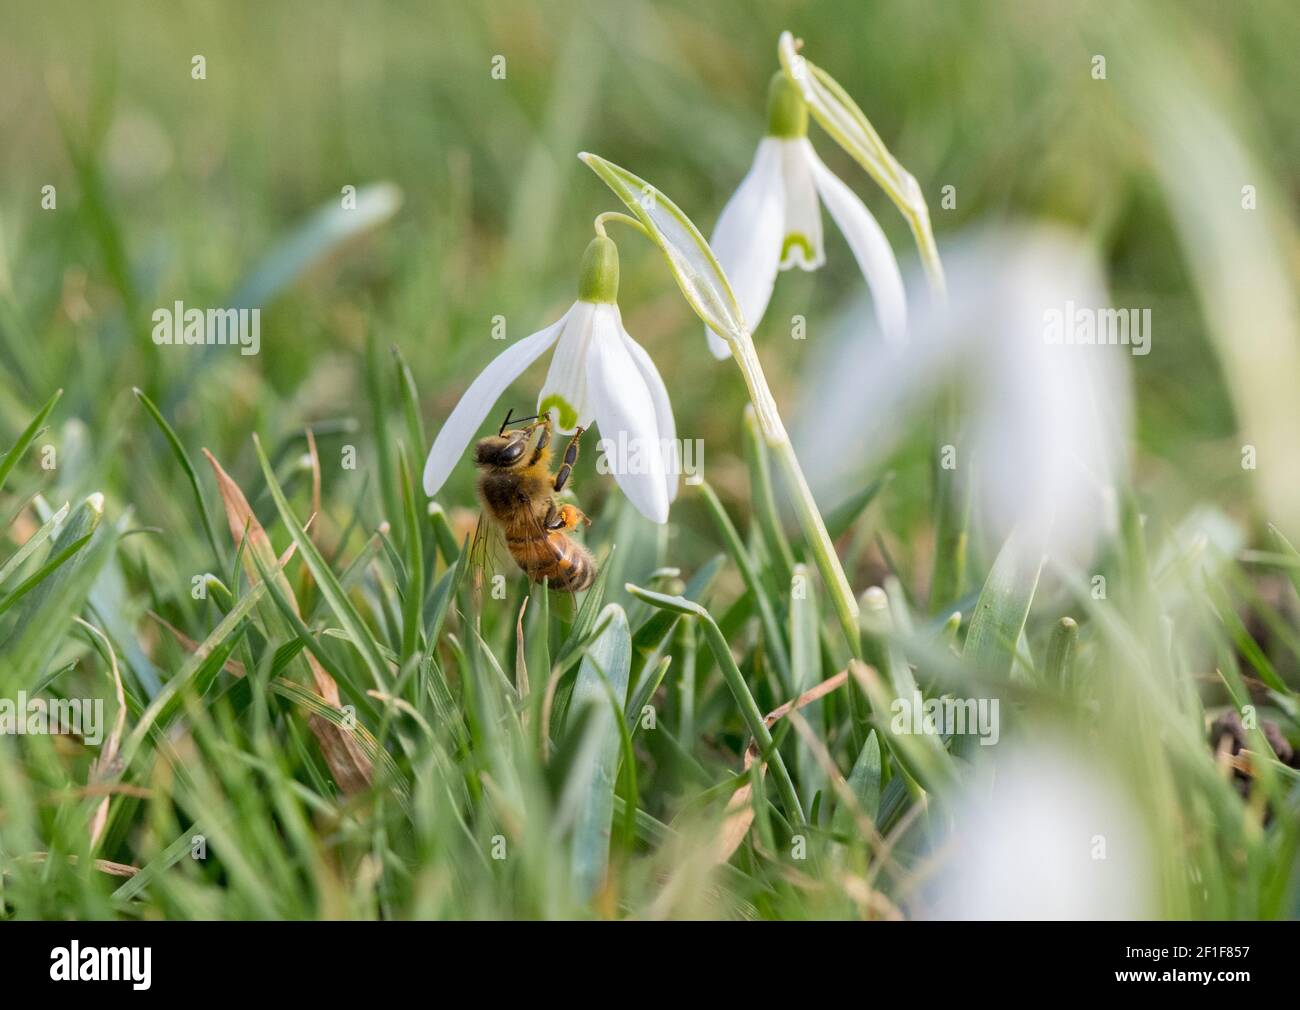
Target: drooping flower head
x=598, y=373
x=773, y=222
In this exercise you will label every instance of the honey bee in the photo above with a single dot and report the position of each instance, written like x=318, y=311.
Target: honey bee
x=517, y=491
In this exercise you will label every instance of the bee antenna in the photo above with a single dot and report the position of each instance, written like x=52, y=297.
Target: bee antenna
x=517, y=420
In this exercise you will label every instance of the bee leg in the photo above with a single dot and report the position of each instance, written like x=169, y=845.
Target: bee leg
x=571, y=515
x=574, y=515
x=554, y=519
x=564, y=517
x=570, y=457
x=543, y=440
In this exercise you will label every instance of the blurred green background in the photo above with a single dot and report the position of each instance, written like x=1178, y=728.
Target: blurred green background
x=227, y=190
x=174, y=188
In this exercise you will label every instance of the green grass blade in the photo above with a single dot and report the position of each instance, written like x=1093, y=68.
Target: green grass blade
x=840, y=518
x=776, y=645
x=584, y=624
x=744, y=698
x=1002, y=608
x=357, y=630
x=410, y=406
x=42, y=573
x=645, y=691
x=952, y=504
x=1061, y=649
x=864, y=781
x=34, y=541
x=603, y=672
x=413, y=597
x=443, y=534
x=806, y=668
x=764, y=499
x=378, y=396
x=178, y=449
x=11, y=458
x=80, y=526
x=191, y=672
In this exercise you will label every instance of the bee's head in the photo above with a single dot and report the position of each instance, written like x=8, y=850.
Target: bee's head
x=501, y=451
x=504, y=449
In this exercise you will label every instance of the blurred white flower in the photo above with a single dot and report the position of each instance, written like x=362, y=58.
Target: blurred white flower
x=1046, y=424
x=773, y=222
x=1052, y=836
x=598, y=373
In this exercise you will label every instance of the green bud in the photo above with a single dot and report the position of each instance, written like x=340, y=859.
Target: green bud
x=598, y=281
x=787, y=113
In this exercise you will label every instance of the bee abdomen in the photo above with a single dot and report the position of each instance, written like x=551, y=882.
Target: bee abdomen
x=579, y=573
x=568, y=565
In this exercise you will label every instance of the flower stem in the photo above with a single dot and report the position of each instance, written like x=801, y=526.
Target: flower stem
x=710, y=295
x=613, y=215
x=951, y=500
x=810, y=519
x=849, y=126
x=918, y=219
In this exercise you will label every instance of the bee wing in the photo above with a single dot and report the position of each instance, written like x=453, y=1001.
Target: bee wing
x=488, y=548
x=483, y=549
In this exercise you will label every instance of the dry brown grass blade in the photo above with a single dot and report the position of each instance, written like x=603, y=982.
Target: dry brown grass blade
x=102, y=865
x=871, y=903
x=110, y=789
x=237, y=668
x=348, y=762
x=189, y=645
x=740, y=808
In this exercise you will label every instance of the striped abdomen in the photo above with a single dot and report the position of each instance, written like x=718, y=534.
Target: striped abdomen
x=555, y=556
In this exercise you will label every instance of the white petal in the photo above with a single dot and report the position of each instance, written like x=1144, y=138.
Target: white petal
x=870, y=248
x=801, y=244
x=1050, y=422
x=1023, y=826
x=567, y=379
x=747, y=239
x=625, y=415
x=474, y=405
x=663, y=413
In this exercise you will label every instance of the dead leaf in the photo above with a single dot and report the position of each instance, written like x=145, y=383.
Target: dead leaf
x=740, y=808
x=189, y=645
x=348, y=762
x=102, y=865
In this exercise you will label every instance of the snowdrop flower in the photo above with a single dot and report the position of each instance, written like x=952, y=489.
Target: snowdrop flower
x=1047, y=832
x=1047, y=424
x=773, y=222
x=598, y=373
